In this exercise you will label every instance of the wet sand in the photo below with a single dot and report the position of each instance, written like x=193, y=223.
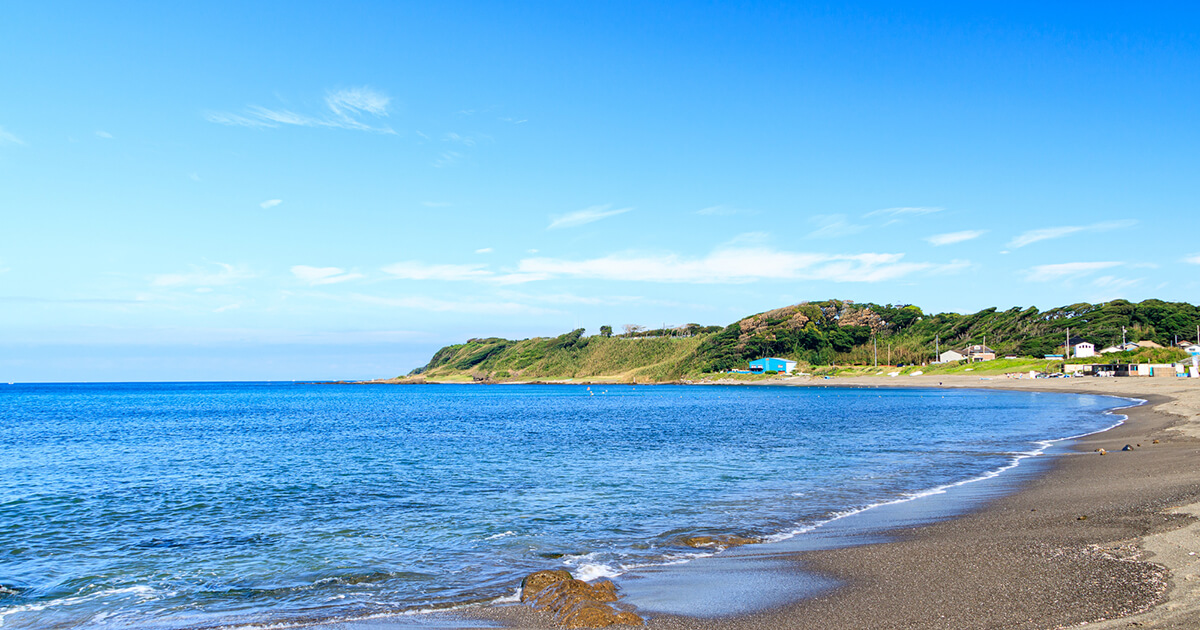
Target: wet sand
x=1104, y=541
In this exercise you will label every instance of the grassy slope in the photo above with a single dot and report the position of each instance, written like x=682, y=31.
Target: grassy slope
x=591, y=358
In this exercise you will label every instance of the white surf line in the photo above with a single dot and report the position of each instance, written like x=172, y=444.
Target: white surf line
x=1043, y=445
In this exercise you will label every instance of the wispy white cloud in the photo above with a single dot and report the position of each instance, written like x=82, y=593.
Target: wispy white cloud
x=345, y=109
x=234, y=120
x=323, y=275
x=735, y=265
x=1113, y=283
x=1193, y=259
x=514, y=121
x=910, y=211
x=283, y=116
x=447, y=158
x=415, y=270
x=270, y=203
x=585, y=216
x=484, y=250
x=1045, y=234
x=951, y=238
x=463, y=140
x=213, y=274
x=8, y=138
x=1062, y=271
x=194, y=177
x=100, y=133
x=833, y=226
x=351, y=102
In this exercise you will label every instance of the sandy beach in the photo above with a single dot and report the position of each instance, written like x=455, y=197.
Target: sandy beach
x=1101, y=541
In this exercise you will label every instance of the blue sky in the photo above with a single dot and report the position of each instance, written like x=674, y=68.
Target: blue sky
x=308, y=190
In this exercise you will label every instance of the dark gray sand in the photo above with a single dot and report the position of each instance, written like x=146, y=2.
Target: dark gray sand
x=1066, y=549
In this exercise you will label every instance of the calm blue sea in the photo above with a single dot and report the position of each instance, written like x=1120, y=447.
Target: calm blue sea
x=174, y=504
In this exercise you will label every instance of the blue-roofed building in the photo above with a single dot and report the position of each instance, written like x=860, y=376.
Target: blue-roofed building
x=772, y=364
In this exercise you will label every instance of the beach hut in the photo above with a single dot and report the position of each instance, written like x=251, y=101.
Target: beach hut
x=1084, y=349
x=772, y=364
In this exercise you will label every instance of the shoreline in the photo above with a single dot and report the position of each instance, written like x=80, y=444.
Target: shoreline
x=1103, y=541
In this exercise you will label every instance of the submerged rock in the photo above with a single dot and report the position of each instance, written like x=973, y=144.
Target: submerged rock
x=575, y=603
x=723, y=541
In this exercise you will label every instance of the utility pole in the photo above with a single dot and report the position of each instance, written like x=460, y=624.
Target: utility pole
x=1123, y=337
x=876, y=347
x=889, y=353
x=937, y=351
x=1067, y=349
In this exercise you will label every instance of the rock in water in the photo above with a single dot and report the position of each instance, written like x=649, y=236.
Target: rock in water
x=723, y=541
x=575, y=603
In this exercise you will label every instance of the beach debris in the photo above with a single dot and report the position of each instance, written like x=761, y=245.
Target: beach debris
x=1127, y=448
x=722, y=541
x=575, y=603
x=1101, y=451
x=1081, y=518
x=1155, y=442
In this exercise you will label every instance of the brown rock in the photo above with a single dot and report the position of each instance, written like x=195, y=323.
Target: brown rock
x=596, y=615
x=575, y=603
x=538, y=580
x=723, y=541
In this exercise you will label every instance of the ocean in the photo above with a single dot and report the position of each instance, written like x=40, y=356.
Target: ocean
x=176, y=505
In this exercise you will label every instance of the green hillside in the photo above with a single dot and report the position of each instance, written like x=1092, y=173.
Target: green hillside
x=833, y=332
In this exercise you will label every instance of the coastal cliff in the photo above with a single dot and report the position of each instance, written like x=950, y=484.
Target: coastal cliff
x=816, y=335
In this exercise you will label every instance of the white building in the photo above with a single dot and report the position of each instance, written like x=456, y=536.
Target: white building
x=950, y=356
x=1084, y=349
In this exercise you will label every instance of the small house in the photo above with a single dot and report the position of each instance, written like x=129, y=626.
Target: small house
x=772, y=364
x=979, y=352
x=1193, y=349
x=1084, y=349
x=950, y=356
